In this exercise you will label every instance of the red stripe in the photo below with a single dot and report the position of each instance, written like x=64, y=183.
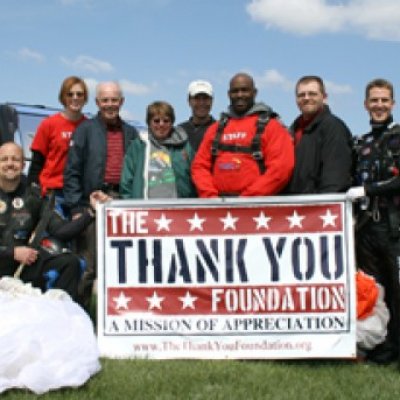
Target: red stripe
x=142, y=222
x=231, y=300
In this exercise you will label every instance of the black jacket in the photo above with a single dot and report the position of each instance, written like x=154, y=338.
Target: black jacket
x=323, y=157
x=85, y=168
x=378, y=155
x=194, y=132
x=20, y=212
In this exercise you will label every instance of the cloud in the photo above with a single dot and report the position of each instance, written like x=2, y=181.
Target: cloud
x=134, y=88
x=371, y=18
x=334, y=88
x=126, y=115
x=305, y=17
x=26, y=54
x=272, y=77
x=377, y=19
x=91, y=84
x=128, y=87
x=86, y=63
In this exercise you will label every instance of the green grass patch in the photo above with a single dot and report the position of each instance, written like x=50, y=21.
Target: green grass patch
x=229, y=379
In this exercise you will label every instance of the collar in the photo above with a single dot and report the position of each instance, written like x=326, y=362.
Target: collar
x=209, y=121
x=379, y=127
x=315, y=120
x=112, y=126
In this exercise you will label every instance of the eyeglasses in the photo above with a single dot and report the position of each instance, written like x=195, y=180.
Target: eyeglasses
x=159, y=120
x=76, y=94
x=302, y=95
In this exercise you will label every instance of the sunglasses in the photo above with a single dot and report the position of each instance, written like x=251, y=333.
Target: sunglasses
x=76, y=94
x=159, y=120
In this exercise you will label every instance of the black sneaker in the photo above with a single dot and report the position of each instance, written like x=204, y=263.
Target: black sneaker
x=385, y=353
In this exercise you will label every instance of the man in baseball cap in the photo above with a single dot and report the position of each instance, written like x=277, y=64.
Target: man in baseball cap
x=200, y=87
x=200, y=98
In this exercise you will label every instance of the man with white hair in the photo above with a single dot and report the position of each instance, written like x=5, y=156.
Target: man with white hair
x=94, y=163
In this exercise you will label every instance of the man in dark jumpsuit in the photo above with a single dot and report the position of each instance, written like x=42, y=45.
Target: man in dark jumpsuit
x=378, y=212
x=20, y=211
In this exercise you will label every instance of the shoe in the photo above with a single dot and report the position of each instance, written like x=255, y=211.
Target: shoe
x=385, y=353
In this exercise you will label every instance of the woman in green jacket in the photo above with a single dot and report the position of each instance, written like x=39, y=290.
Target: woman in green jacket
x=158, y=166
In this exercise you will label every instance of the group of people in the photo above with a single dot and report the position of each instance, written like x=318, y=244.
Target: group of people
x=248, y=151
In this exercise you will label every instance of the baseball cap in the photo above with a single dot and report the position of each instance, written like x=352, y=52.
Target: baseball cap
x=197, y=87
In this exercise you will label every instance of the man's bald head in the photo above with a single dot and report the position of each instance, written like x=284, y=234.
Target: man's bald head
x=242, y=93
x=11, y=147
x=11, y=165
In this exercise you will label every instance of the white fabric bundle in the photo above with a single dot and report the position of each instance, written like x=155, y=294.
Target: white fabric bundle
x=372, y=330
x=46, y=340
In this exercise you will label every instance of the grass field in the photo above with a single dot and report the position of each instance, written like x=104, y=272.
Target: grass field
x=186, y=379
x=231, y=380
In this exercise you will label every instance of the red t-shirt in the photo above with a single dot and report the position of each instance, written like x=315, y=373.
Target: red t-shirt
x=52, y=141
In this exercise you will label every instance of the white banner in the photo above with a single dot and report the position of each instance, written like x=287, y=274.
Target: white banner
x=264, y=278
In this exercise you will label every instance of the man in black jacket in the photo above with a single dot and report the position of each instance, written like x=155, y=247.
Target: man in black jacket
x=20, y=212
x=94, y=163
x=97, y=150
x=323, y=143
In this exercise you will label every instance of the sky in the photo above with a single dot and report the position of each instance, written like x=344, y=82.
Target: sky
x=154, y=48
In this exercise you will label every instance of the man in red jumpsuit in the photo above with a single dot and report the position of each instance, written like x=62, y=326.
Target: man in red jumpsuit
x=248, y=152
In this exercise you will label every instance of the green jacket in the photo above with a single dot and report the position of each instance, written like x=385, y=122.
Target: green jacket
x=134, y=177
